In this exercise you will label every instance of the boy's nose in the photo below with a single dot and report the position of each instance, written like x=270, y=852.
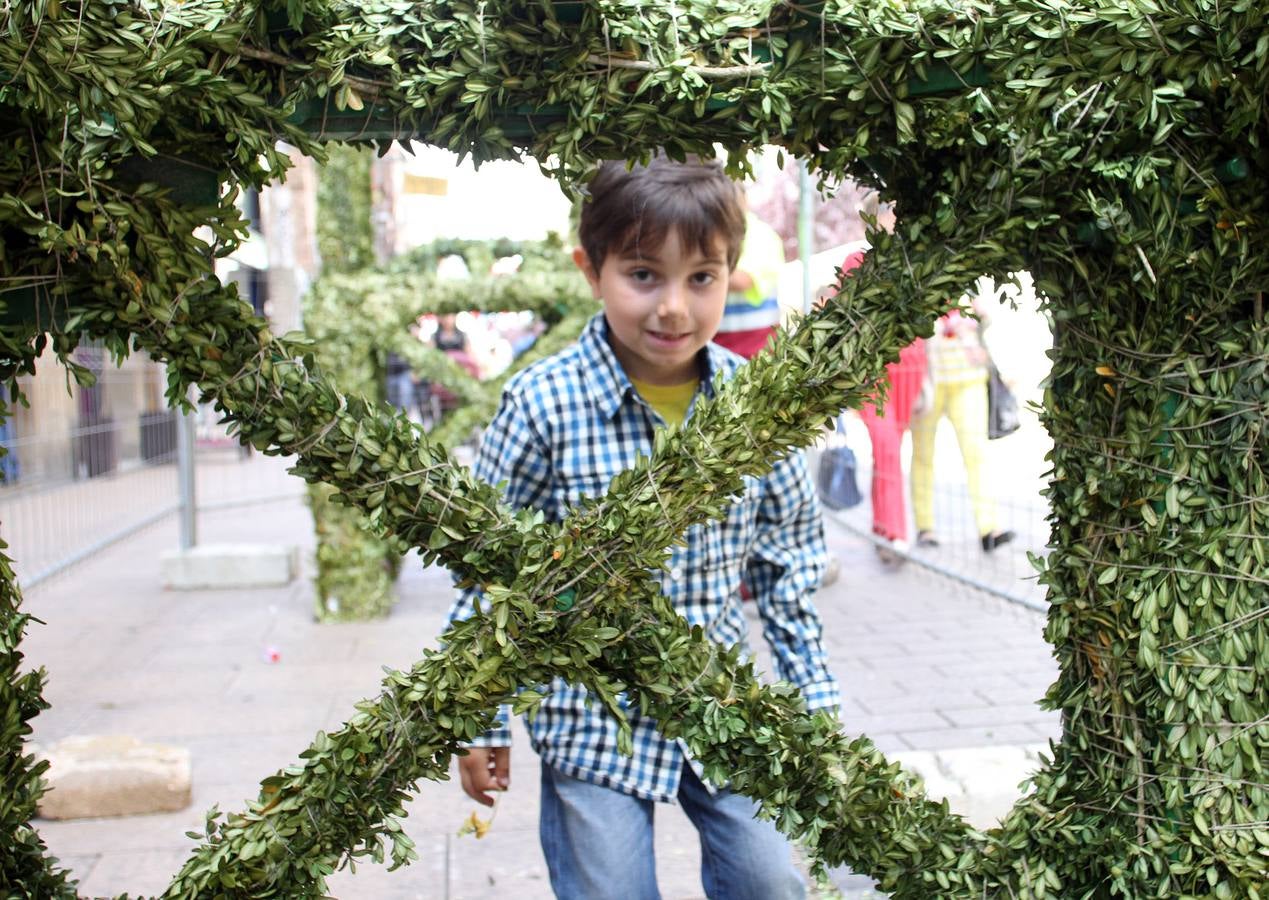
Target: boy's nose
x=673, y=302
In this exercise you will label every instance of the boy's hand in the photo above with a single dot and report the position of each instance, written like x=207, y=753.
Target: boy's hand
x=485, y=769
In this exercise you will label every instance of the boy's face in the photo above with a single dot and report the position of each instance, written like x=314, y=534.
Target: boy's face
x=661, y=307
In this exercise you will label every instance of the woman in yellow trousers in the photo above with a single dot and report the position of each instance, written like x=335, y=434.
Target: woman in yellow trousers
x=958, y=370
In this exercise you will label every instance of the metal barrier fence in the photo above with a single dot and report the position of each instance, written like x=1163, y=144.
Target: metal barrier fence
x=1016, y=477
x=89, y=466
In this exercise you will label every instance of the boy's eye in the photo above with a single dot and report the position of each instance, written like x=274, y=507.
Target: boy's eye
x=641, y=275
x=703, y=278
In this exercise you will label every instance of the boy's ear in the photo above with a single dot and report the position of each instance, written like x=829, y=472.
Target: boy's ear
x=582, y=260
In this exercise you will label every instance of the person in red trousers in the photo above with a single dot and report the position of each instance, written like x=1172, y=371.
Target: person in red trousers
x=886, y=425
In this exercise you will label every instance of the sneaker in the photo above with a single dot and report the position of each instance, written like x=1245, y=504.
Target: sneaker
x=833, y=572
x=927, y=539
x=893, y=553
x=993, y=539
x=888, y=557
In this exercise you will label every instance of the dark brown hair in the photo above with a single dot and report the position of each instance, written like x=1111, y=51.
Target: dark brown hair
x=632, y=210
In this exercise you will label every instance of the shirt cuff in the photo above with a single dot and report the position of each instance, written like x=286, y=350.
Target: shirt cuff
x=499, y=735
x=822, y=695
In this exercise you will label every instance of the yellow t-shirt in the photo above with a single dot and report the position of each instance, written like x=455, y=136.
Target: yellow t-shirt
x=671, y=401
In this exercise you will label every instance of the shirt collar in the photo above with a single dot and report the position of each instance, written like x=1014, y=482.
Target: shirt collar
x=606, y=381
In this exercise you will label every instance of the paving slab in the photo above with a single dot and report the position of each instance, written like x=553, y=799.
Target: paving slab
x=143, y=872
x=424, y=879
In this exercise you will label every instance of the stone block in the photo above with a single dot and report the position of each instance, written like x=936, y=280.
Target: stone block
x=229, y=566
x=113, y=775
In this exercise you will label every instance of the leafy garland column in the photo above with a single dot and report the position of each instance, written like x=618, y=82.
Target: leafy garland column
x=1160, y=495
x=356, y=569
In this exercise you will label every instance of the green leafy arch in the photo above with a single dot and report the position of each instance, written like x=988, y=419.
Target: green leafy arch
x=1115, y=150
x=356, y=318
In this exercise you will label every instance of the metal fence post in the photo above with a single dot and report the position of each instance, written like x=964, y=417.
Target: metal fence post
x=806, y=222
x=187, y=509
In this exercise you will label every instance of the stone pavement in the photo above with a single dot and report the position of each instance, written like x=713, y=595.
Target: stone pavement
x=941, y=678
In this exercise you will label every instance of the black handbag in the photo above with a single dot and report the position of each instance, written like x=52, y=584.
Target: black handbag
x=836, y=479
x=1002, y=405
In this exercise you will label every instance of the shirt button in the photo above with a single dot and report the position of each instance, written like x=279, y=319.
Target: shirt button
x=676, y=573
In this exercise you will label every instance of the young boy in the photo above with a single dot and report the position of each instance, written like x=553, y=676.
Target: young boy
x=658, y=243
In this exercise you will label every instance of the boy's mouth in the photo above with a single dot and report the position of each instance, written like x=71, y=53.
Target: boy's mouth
x=669, y=337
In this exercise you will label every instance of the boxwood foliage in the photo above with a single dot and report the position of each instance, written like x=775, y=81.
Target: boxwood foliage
x=1114, y=149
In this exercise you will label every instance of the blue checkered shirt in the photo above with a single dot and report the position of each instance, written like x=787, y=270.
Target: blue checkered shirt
x=566, y=426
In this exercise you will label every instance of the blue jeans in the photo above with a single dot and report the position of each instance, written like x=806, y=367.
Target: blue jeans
x=598, y=843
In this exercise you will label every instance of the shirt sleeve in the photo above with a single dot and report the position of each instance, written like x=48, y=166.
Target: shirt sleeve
x=786, y=564
x=511, y=451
